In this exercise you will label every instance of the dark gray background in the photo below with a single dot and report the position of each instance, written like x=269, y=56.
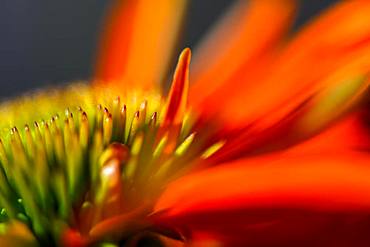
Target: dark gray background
x=45, y=42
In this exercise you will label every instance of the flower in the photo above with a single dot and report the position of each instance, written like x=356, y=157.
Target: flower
x=267, y=147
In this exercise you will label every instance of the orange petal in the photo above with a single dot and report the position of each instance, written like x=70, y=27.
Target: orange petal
x=325, y=99
x=239, y=39
x=267, y=194
x=176, y=104
x=301, y=115
x=115, y=41
x=138, y=42
x=339, y=40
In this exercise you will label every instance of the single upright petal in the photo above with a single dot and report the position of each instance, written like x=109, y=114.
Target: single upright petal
x=138, y=42
x=176, y=104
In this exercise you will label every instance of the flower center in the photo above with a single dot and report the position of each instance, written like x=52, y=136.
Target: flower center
x=97, y=170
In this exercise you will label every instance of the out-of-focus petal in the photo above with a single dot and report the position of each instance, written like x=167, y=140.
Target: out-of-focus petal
x=16, y=234
x=273, y=198
x=240, y=39
x=115, y=41
x=138, y=42
x=351, y=133
x=309, y=88
x=339, y=40
x=307, y=120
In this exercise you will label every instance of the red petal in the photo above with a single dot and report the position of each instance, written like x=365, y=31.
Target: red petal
x=274, y=200
x=349, y=134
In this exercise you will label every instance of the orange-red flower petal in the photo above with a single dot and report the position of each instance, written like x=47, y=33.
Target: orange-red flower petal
x=339, y=40
x=177, y=99
x=312, y=85
x=239, y=40
x=285, y=198
x=349, y=133
x=138, y=42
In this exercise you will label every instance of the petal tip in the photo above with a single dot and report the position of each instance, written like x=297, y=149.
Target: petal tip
x=185, y=55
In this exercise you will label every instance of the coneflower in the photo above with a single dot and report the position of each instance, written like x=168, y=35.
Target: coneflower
x=268, y=147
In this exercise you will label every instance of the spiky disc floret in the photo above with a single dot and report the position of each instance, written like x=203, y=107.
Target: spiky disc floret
x=80, y=168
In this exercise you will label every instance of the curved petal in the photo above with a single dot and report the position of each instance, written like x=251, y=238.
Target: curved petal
x=273, y=199
x=240, y=39
x=276, y=131
x=350, y=133
x=138, y=42
x=339, y=40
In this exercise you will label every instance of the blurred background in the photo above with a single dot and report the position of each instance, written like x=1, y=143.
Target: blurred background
x=54, y=42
